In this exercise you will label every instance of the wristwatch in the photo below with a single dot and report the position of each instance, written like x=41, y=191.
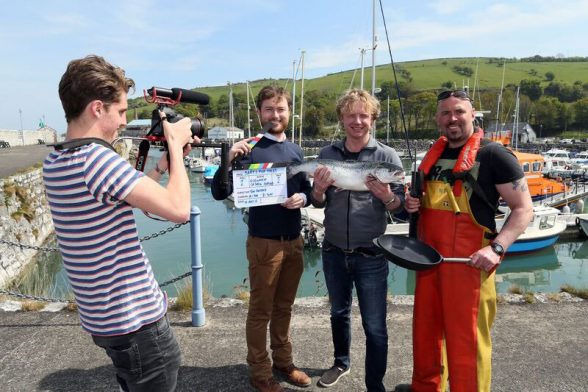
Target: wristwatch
x=497, y=248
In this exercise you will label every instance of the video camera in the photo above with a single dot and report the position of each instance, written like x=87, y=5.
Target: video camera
x=165, y=98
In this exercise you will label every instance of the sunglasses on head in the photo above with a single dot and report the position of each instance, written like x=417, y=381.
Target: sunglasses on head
x=453, y=93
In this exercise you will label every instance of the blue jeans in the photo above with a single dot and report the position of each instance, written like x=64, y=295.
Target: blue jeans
x=369, y=274
x=145, y=360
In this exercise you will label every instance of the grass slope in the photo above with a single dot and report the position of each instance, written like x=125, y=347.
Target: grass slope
x=430, y=74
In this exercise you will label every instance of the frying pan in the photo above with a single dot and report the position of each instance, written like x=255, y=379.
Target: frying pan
x=411, y=253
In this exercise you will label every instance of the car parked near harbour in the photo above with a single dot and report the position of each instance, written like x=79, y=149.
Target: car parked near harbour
x=4, y=144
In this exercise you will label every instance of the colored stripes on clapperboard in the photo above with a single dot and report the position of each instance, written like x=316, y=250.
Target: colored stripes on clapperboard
x=267, y=165
x=254, y=141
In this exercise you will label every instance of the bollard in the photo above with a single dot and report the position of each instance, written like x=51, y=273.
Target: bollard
x=198, y=312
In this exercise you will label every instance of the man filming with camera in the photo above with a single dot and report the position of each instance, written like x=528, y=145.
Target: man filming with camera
x=91, y=192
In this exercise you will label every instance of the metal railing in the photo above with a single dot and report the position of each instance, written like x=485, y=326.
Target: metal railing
x=198, y=311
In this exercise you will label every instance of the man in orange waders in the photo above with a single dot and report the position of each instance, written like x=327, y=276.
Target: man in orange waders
x=455, y=303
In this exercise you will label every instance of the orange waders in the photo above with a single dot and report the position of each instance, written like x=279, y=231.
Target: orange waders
x=455, y=303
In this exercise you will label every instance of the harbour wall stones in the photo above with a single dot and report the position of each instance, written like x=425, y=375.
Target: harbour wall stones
x=24, y=219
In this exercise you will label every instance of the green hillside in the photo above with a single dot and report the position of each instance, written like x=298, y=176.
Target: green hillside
x=430, y=74
x=561, y=85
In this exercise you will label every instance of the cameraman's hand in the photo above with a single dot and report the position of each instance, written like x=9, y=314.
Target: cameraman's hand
x=178, y=134
x=241, y=148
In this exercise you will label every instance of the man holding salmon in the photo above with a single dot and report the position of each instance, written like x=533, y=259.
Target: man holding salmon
x=352, y=219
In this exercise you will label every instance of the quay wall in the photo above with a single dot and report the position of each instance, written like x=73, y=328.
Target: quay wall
x=24, y=219
x=26, y=138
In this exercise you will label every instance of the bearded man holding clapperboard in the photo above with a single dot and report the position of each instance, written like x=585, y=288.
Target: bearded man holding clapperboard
x=274, y=246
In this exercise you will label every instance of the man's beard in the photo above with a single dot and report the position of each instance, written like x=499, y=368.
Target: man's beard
x=460, y=136
x=281, y=129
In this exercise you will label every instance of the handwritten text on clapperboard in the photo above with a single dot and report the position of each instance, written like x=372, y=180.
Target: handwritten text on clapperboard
x=259, y=187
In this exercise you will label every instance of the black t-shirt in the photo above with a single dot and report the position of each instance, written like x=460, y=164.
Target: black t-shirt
x=350, y=156
x=495, y=165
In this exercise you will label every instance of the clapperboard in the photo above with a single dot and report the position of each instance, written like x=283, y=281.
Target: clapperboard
x=260, y=184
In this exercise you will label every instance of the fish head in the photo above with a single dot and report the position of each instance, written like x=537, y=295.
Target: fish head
x=387, y=173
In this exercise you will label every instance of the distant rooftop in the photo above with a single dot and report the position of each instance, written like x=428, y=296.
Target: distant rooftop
x=142, y=123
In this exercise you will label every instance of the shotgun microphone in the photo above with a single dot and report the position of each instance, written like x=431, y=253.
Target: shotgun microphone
x=185, y=96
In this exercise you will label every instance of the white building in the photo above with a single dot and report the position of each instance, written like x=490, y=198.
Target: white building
x=225, y=133
x=137, y=128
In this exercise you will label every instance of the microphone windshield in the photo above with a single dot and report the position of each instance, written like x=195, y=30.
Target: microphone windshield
x=189, y=96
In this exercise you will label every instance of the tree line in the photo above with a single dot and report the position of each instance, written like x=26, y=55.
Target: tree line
x=550, y=110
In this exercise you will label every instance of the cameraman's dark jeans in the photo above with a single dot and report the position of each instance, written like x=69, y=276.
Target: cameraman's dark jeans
x=369, y=274
x=145, y=360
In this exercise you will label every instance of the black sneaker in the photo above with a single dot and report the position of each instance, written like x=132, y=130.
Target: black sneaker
x=332, y=376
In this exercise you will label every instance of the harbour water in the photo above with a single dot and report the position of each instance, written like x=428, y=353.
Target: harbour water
x=223, y=235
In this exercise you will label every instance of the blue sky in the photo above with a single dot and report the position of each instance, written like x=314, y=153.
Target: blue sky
x=211, y=42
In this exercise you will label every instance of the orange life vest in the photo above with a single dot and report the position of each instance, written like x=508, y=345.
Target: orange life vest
x=446, y=221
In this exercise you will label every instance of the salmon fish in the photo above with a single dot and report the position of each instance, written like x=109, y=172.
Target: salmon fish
x=351, y=175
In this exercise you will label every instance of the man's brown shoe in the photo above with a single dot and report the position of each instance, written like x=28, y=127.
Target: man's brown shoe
x=295, y=375
x=269, y=385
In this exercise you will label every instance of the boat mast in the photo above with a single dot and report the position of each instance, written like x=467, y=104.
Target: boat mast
x=293, y=99
x=516, y=120
x=374, y=44
x=476, y=84
x=388, y=120
x=248, y=111
x=362, y=51
x=231, y=116
x=500, y=97
x=301, y=96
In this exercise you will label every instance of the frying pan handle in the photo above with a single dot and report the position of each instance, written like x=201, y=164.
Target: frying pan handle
x=457, y=259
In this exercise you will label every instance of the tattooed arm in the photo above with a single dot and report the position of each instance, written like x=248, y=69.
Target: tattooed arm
x=517, y=197
x=516, y=194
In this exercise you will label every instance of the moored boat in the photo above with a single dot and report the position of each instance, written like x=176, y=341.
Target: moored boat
x=540, y=187
x=543, y=230
x=580, y=158
x=208, y=174
x=556, y=153
x=198, y=165
x=533, y=165
x=583, y=223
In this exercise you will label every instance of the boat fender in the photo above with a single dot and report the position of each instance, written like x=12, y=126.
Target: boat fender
x=566, y=209
x=580, y=206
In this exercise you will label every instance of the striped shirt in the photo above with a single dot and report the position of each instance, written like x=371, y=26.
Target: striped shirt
x=110, y=274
